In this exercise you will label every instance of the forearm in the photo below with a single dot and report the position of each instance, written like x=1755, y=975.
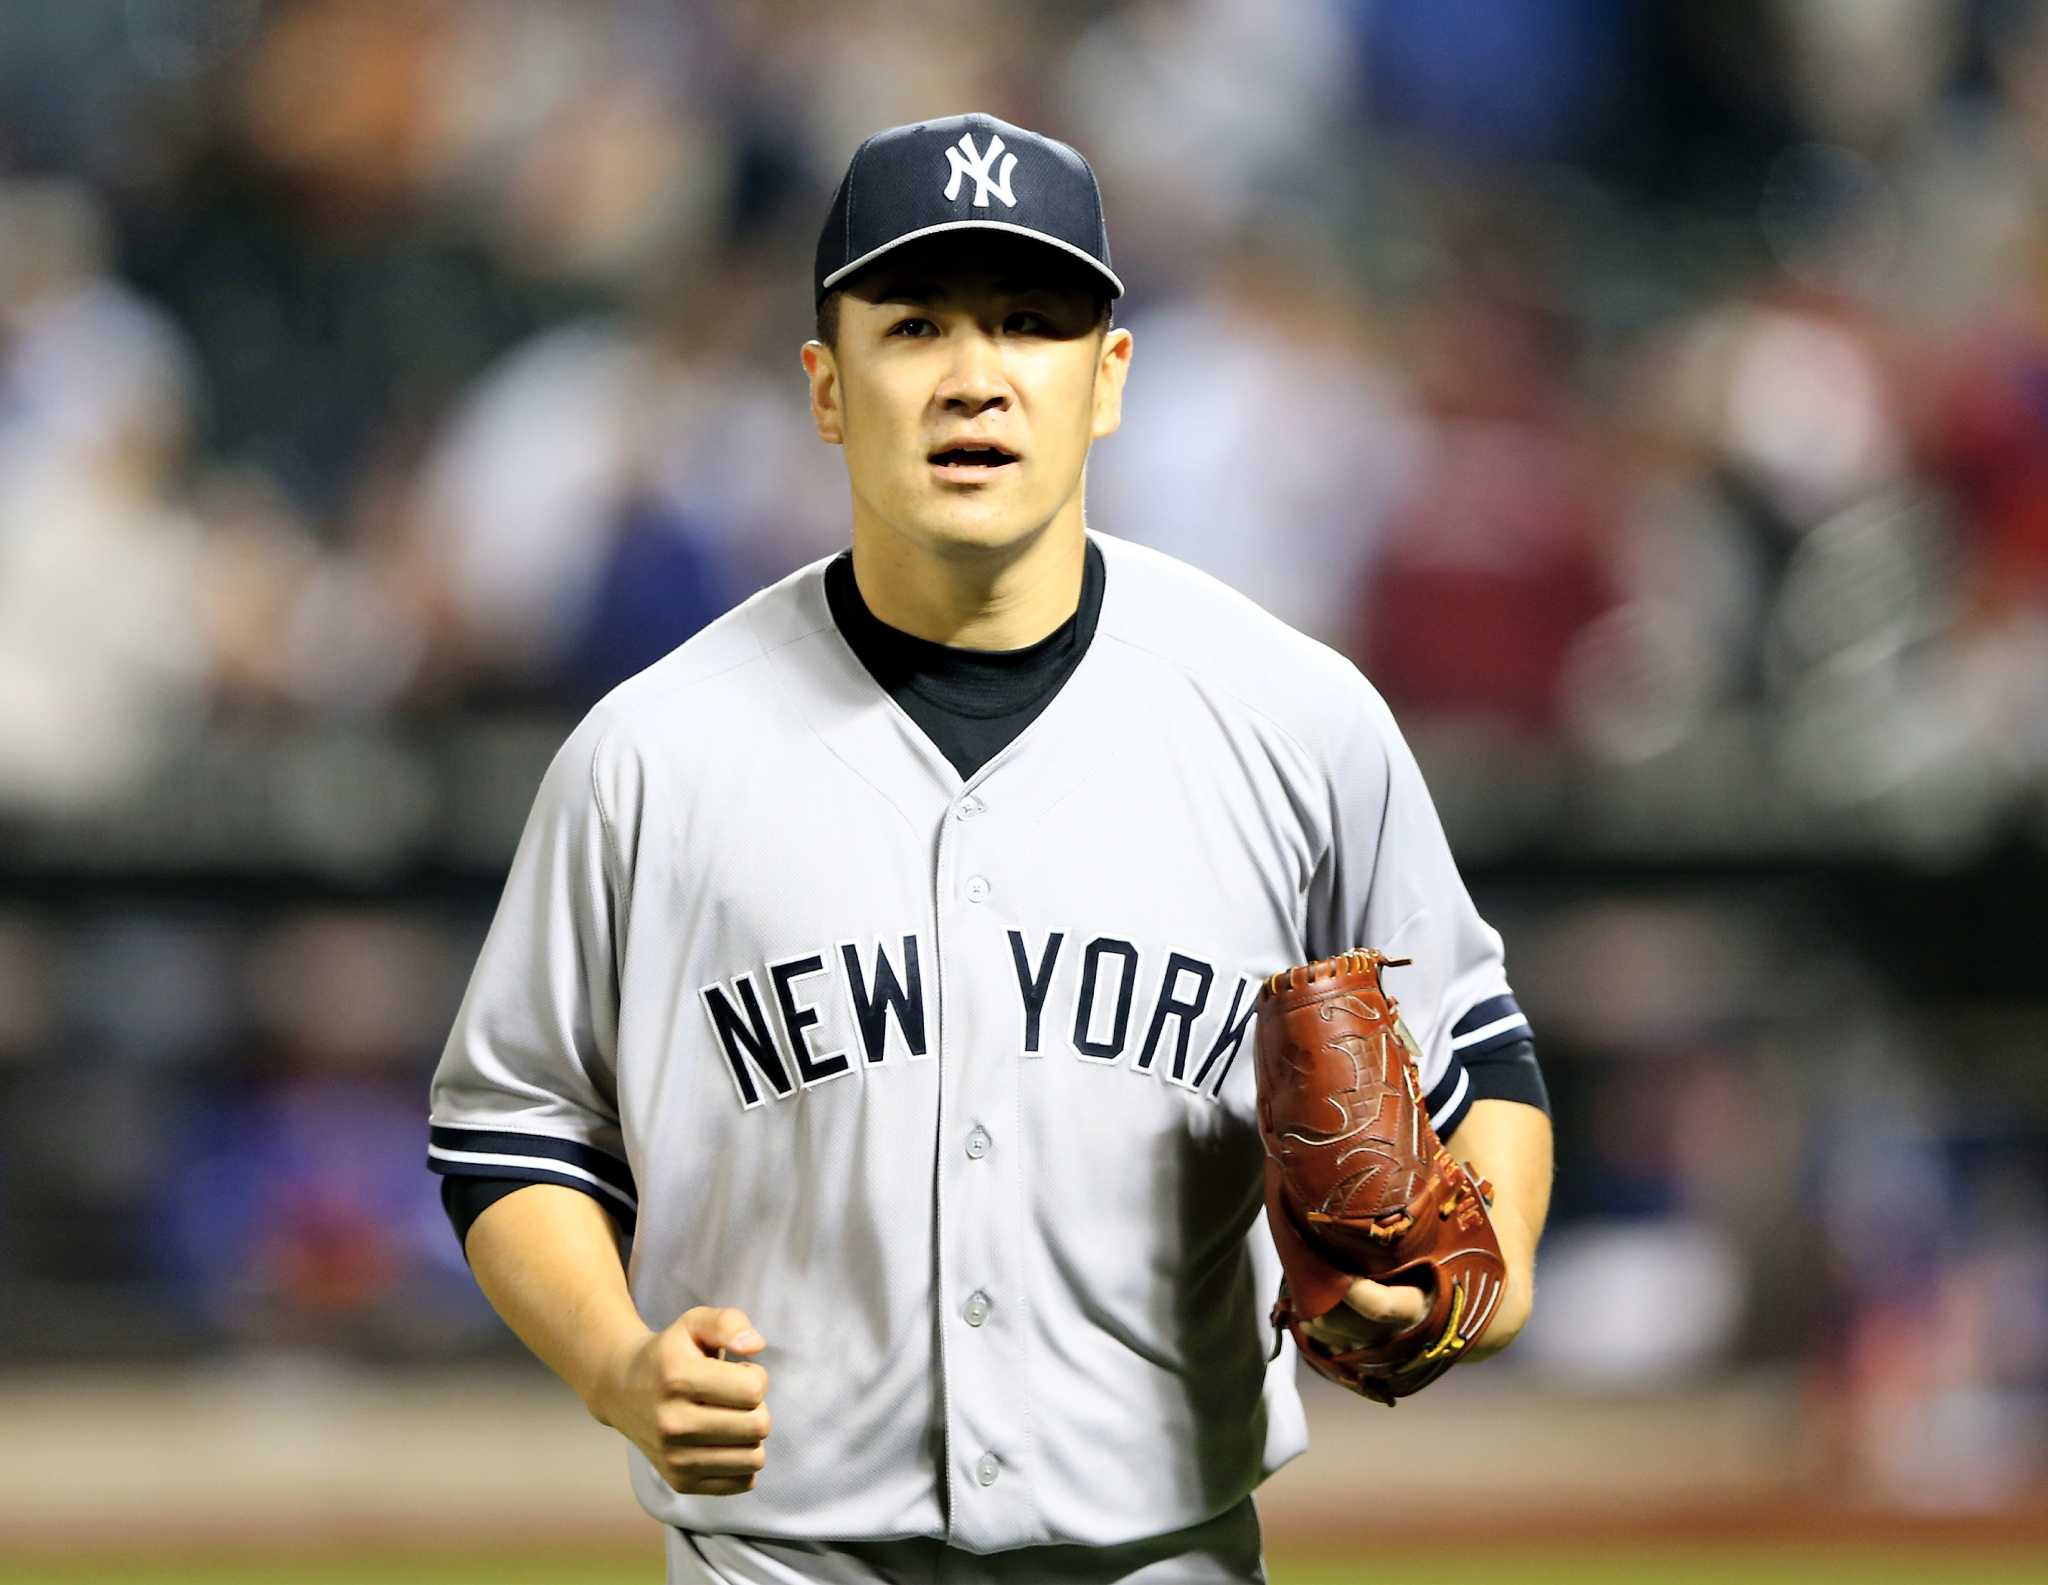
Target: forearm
x=547, y=1258
x=1509, y=1144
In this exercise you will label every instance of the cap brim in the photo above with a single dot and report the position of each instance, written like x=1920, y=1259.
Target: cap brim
x=1116, y=287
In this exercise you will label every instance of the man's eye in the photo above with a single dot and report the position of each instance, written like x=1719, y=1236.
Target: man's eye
x=911, y=327
x=1029, y=324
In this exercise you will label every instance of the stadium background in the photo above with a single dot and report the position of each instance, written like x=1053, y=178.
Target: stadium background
x=1652, y=398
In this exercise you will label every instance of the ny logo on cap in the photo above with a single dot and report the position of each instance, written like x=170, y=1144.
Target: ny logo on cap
x=966, y=162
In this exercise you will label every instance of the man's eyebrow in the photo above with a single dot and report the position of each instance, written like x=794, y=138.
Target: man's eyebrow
x=911, y=291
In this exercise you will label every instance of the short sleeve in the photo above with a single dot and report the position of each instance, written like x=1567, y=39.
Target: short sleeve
x=527, y=1086
x=1390, y=883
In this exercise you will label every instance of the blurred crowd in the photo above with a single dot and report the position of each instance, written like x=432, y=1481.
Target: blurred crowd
x=1612, y=380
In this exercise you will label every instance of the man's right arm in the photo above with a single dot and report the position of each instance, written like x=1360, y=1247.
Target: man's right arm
x=547, y=1258
x=527, y=1089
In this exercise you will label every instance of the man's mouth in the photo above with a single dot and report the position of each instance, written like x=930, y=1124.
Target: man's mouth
x=969, y=460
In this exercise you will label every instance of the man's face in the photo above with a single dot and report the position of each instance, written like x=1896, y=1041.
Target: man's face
x=967, y=384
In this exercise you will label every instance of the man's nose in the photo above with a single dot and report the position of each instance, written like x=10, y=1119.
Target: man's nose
x=974, y=383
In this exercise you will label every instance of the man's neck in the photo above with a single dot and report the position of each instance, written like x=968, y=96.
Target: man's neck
x=988, y=601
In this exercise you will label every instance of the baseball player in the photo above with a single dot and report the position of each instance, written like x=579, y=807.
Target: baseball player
x=879, y=967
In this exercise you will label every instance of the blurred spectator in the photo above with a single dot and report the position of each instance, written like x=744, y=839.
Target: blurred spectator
x=1991, y=443
x=293, y=1214
x=1508, y=78
x=615, y=484
x=1265, y=433
x=1196, y=115
x=103, y=651
x=1496, y=551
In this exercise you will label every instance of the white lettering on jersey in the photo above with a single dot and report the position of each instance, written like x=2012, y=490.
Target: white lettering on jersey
x=886, y=1000
x=1120, y=978
x=964, y=161
x=884, y=990
x=746, y=1038
x=1224, y=1046
x=1184, y=1011
x=798, y=1020
x=1034, y=982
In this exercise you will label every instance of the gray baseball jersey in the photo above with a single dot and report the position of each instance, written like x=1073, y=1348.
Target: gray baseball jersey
x=945, y=1083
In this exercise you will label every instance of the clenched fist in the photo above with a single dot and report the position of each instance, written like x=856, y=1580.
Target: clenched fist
x=1371, y=1313
x=700, y=1418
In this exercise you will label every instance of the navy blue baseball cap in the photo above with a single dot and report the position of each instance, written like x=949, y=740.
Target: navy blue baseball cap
x=962, y=173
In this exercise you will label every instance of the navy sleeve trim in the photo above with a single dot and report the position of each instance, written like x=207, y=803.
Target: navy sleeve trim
x=466, y=1199
x=1484, y=1058
x=1496, y=1022
x=1510, y=1073
x=1449, y=1098
x=484, y=1153
x=466, y=1195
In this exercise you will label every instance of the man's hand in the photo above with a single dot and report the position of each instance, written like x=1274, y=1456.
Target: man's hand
x=1508, y=1143
x=1371, y=1312
x=548, y=1260
x=699, y=1417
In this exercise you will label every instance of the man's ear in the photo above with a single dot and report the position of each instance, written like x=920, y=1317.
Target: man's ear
x=822, y=369
x=1110, y=374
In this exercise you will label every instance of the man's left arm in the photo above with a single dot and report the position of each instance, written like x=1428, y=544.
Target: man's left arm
x=1509, y=1144
x=1394, y=886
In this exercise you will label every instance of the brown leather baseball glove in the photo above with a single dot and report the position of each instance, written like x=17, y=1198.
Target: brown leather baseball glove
x=1357, y=1184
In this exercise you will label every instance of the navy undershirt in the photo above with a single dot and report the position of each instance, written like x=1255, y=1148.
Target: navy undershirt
x=973, y=704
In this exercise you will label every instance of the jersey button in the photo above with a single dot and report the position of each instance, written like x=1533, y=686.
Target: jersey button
x=976, y=1309
x=977, y=1144
x=977, y=888
x=986, y=1469
x=968, y=808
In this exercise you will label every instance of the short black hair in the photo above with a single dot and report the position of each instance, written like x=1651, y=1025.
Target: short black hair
x=828, y=316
